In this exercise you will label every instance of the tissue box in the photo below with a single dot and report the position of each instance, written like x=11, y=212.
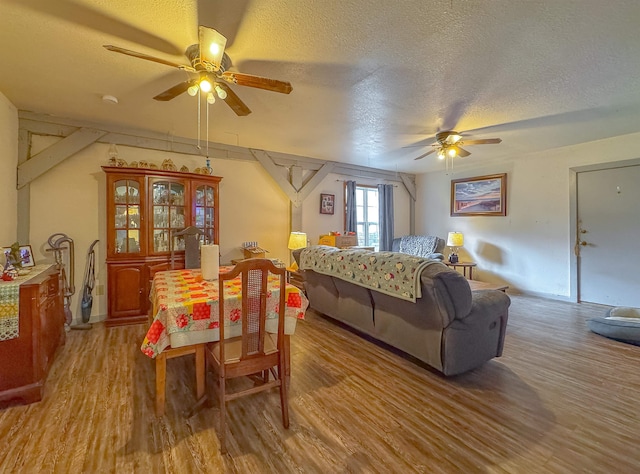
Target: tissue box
x=340, y=241
x=254, y=252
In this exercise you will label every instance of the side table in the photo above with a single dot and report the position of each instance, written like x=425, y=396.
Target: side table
x=464, y=265
x=296, y=278
x=481, y=285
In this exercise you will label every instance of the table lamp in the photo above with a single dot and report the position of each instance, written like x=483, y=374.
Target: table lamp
x=455, y=240
x=297, y=240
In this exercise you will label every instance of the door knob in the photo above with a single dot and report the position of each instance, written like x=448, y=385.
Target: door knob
x=583, y=243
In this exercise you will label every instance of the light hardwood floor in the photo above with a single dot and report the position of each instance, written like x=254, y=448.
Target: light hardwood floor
x=560, y=400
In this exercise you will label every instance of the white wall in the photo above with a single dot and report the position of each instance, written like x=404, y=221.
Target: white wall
x=316, y=224
x=530, y=249
x=8, y=165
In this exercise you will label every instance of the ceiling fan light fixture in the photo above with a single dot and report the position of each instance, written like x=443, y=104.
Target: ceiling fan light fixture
x=205, y=85
x=208, y=60
x=212, y=46
x=452, y=152
x=441, y=154
x=221, y=92
x=211, y=99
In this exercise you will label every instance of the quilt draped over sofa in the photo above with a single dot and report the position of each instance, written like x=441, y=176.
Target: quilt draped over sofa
x=390, y=273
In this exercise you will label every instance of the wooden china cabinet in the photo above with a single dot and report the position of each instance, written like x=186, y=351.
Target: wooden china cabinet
x=144, y=208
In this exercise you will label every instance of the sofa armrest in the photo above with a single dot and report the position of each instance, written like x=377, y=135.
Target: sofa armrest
x=489, y=301
x=492, y=303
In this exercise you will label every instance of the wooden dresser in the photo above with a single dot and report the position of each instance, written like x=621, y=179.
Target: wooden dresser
x=25, y=360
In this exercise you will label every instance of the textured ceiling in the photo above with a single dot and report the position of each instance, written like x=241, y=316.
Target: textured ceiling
x=369, y=77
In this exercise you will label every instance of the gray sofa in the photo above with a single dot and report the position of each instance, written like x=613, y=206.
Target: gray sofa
x=426, y=246
x=449, y=327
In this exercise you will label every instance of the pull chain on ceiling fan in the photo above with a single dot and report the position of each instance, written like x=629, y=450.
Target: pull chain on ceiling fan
x=210, y=62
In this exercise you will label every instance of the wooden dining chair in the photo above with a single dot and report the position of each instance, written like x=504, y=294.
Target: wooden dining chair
x=255, y=351
x=191, y=236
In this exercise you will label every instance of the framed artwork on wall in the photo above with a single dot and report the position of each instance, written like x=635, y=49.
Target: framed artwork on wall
x=479, y=196
x=327, y=203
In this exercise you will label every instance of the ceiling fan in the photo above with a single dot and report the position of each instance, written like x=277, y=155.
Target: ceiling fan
x=209, y=63
x=449, y=144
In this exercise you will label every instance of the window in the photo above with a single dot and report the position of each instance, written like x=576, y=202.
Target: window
x=367, y=216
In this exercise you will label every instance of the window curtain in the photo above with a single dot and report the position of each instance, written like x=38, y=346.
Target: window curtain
x=352, y=223
x=385, y=215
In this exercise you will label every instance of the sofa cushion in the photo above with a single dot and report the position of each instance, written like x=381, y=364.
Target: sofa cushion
x=355, y=306
x=322, y=293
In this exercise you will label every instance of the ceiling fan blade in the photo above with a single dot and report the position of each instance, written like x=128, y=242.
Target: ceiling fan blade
x=425, y=154
x=176, y=90
x=135, y=54
x=462, y=152
x=257, y=82
x=484, y=141
x=233, y=101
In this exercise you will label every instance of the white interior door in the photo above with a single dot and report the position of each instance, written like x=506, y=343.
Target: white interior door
x=608, y=236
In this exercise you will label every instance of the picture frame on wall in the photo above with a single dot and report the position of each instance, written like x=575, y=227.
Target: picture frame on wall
x=479, y=196
x=327, y=203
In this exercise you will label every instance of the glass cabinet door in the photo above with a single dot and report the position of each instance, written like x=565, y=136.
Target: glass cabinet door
x=204, y=211
x=127, y=216
x=168, y=214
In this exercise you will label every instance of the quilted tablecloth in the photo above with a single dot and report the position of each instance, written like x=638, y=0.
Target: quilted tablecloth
x=187, y=312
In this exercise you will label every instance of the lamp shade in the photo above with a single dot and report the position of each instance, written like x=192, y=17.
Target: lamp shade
x=297, y=240
x=455, y=239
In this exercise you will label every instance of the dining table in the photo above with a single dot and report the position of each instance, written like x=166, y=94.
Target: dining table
x=185, y=310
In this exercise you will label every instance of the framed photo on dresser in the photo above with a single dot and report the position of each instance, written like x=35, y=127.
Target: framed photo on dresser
x=26, y=255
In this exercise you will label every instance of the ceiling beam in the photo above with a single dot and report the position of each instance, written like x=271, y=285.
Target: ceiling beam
x=271, y=168
x=410, y=185
x=42, y=162
x=316, y=179
x=295, y=212
x=78, y=134
x=41, y=124
x=24, y=193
